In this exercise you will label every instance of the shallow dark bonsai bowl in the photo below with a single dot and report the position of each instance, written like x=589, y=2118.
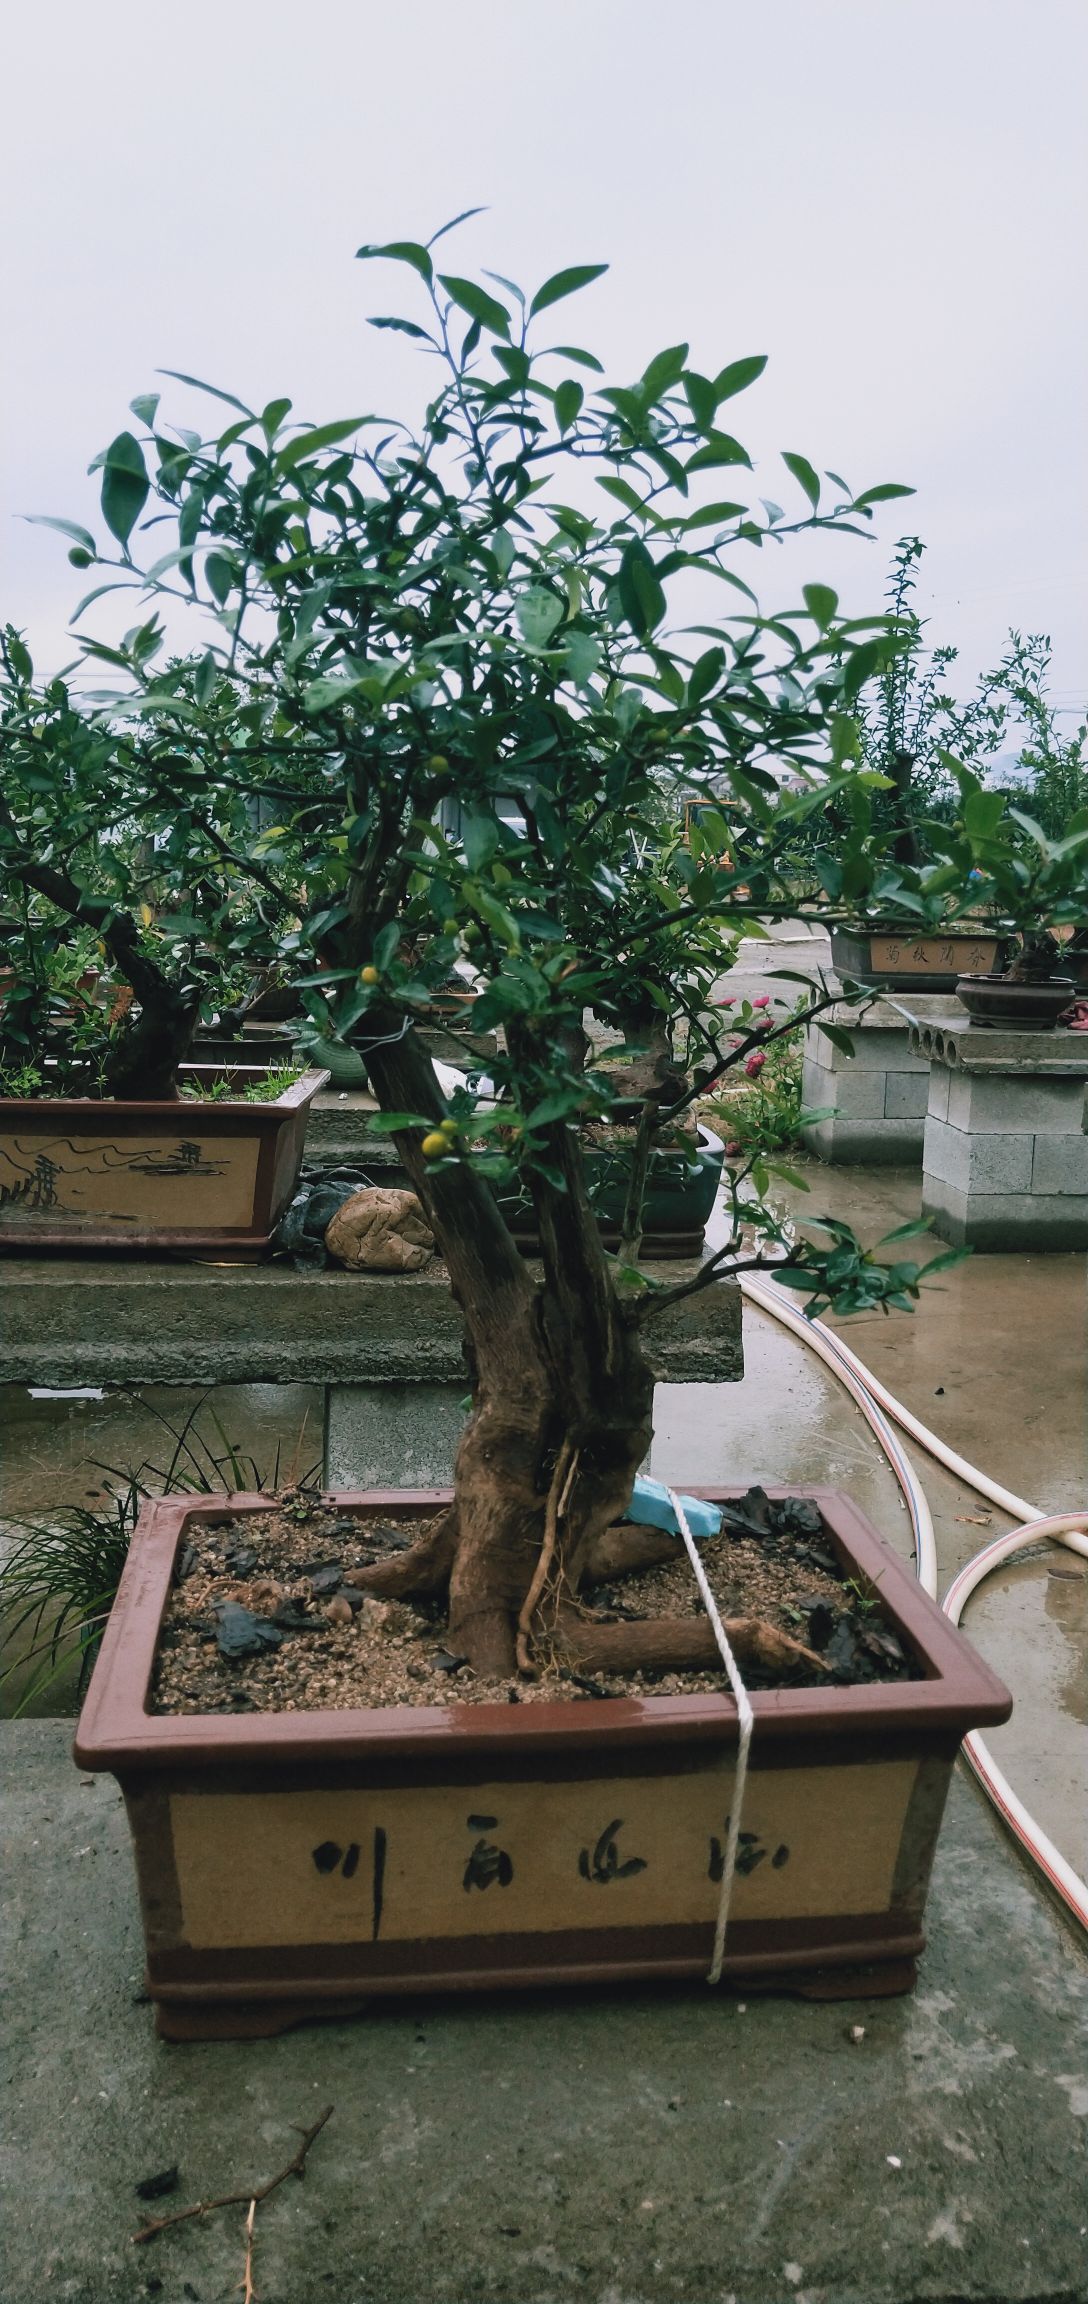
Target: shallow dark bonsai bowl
x=249, y=1927
x=201, y=1177
x=892, y=960
x=998, y=1000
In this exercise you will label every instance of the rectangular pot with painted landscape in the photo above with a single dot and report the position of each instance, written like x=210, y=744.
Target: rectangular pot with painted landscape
x=203, y=1175
x=302, y=1862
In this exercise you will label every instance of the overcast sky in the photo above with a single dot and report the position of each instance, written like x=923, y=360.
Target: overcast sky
x=887, y=196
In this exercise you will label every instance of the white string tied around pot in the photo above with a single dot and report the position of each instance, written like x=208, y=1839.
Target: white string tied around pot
x=745, y=1722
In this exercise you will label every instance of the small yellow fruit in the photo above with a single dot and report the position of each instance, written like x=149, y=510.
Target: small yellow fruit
x=450, y=927
x=434, y=1145
x=447, y=1126
x=438, y=764
x=369, y=975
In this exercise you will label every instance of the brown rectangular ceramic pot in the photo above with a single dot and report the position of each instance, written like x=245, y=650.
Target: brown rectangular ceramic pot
x=294, y=1862
x=212, y=1176
x=902, y=962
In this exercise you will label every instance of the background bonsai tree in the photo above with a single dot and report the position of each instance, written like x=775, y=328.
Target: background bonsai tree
x=449, y=671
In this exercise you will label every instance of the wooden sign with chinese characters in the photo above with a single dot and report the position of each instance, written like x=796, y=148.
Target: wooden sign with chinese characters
x=48, y=1177
x=415, y=1863
x=934, y=955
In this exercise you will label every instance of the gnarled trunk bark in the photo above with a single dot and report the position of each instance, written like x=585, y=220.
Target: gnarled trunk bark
x=562, y=1393
x=562, y=1399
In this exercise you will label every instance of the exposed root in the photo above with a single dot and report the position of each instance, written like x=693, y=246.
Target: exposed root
x=558, y=1499
x=421, y=1573
x=685, y=1644
x=626, y=1550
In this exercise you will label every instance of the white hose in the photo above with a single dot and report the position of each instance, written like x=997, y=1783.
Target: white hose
x=877, y=1406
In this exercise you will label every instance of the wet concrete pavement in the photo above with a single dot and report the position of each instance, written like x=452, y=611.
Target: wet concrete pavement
x=647, y=2147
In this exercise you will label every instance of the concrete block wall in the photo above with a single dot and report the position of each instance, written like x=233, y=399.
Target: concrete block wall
x=1005, y=1162
x=875, y=1100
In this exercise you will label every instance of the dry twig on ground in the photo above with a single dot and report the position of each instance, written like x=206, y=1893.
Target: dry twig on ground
x=250, y=2198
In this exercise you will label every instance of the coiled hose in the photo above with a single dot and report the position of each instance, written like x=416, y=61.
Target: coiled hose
x=881, y=1411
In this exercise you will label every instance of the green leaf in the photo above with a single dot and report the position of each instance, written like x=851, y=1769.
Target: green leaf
x=464, y=218
x=575, y=352
x=805, y=475
x=712, y=515
x=982, y=813
x=838, y=1037
x=641, y=595
x=386, y=944
x=738, y=375
x=213, y=389
x=498, y=919
x=477, y=303
x=568, y=402
x=721, y=448
x=401, y=252
x=145, y=407
x=702, y=399
x=511, y=286
x=560, y=1106
x=125, y=486
x=68, y=528
x=583, y=654
x=564, y=284
x=881, y=495
x=403, y=327
x=821, y=603
x=623, y=493
x=480, y=835
x=861, y=664
x=393, y=1123
x=503, y=549
x=220, y=576
x=273, y=416
x=664, y=371
x=118, y=585
x=514, y=362
x=319, y=436
x=705, y=674
x=538, y=612
x=945, y=1261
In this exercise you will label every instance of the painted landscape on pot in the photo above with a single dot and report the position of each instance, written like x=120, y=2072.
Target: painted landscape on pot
x=50, y=1179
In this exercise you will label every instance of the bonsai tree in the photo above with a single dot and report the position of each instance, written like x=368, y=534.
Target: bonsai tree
x=456, y=677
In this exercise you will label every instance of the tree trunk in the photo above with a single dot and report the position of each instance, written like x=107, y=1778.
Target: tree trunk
x=561, y=1392
x=562, y=1400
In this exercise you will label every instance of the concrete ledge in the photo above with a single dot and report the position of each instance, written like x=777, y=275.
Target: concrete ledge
x=340, y=1128
x=983, y=1048
x=86, y=1322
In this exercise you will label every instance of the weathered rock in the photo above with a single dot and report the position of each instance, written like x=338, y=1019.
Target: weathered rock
x=380, y=1229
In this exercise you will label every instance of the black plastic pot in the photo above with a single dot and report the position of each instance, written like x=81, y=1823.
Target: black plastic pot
x=680, y=1193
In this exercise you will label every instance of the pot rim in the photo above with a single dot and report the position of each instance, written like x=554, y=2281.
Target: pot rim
x=309, y=1083
x=1012, y=984
x=117, y=1731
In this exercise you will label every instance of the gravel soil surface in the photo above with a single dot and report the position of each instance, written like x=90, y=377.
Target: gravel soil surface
x=265, y=1616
